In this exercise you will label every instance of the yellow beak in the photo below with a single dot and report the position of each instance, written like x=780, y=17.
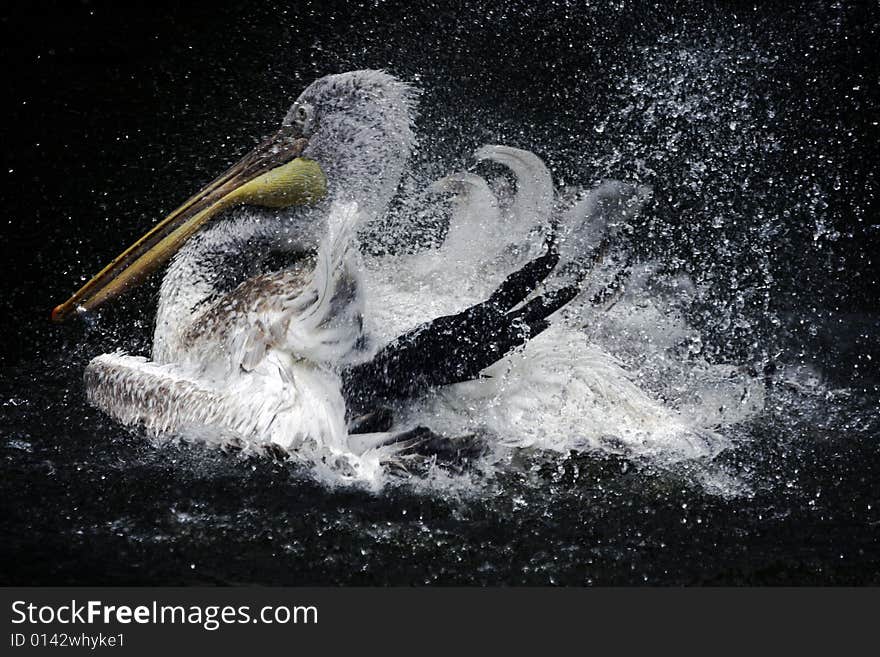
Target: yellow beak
x=272, y=175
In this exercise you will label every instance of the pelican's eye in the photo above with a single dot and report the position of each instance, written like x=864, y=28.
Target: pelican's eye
x=301, y=115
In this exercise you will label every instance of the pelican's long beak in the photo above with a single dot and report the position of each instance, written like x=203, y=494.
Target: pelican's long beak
x=272, y=175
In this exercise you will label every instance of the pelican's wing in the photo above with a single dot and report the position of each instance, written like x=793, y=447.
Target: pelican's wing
x=312, y=311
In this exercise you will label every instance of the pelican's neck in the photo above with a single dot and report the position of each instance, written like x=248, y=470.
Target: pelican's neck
x=368, y=178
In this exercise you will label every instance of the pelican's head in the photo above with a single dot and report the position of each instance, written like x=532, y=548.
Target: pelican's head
x=347, y=136
x=359, y=130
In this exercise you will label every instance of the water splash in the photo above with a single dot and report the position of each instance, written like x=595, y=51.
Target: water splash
x=620, y=376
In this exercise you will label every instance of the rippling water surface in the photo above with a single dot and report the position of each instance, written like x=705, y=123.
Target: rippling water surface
x=750, y=322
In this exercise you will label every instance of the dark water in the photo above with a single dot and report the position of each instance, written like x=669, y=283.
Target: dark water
x=85, y=502
x=757, y=128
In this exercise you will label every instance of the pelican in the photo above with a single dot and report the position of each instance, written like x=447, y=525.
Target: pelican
x=259, y=338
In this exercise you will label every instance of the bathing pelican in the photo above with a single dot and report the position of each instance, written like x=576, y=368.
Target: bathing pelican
x=259, y=337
